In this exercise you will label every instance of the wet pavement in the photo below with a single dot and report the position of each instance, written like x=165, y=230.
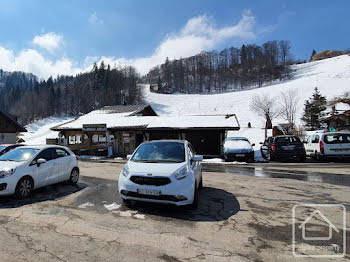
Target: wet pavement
x=260, y=171
x=244, y=214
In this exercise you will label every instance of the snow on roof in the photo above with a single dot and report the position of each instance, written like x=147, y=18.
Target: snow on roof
x=342, y=107
x=152, y=122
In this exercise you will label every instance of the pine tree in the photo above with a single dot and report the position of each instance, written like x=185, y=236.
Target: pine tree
x=313, y=53
x=313, y=111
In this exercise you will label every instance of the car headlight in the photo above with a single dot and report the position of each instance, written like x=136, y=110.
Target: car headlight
x=125, y=171
x=181, y=173
x=7, y=172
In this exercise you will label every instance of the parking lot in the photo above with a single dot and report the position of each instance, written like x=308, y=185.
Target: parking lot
x=244, y=214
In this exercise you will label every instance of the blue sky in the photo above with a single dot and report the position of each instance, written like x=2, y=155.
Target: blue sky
x=65, y=37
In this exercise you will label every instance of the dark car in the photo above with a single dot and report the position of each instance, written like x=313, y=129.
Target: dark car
x=7, y=147
x=283, y=148
x=238, y=148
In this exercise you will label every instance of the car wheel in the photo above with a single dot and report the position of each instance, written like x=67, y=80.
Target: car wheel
x=302, y=158
x=74, y=176
x=194, y=204
x=24, y=187
x=318, y=157
x=200, y=186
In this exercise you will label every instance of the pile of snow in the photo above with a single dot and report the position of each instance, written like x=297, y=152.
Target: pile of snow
x=37, y=132
x=221, y=161
x=237, y=144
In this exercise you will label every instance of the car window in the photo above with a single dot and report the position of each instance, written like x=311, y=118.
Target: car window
x=154, y=152
x=192, y=149
x=47, y=154
x=60, y=152
x=19, y=154
x=190, y=153
x=337, y=139
x=287, y=139
x=315, y=139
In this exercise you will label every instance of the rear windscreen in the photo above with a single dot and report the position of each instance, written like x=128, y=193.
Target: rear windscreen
x=337, y=139
x=288, y=139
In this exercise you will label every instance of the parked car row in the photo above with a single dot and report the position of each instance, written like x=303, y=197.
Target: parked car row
x=319, y=146
x=166, y=171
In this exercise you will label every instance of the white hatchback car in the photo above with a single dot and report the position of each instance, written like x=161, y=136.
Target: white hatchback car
x=29, y=167
x=164, y=171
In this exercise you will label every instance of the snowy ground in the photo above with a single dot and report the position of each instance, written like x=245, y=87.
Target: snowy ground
x=40, y=130
x=331, y=76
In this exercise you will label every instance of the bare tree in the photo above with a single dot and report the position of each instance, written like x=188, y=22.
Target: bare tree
x=284, y=46
x=288, y=105
x=266, y=107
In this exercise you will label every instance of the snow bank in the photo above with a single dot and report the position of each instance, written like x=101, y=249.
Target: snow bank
x=40, y=130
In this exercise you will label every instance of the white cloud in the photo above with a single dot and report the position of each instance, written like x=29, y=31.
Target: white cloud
x=30, y=60
x=49, y=41
x=199, y=33
x=93, y=19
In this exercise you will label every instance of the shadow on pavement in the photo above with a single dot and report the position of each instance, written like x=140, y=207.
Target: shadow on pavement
x=51, y=192
x=214, y=205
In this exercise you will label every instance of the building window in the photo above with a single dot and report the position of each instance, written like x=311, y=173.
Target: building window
x=99, y=139
x=75, y=139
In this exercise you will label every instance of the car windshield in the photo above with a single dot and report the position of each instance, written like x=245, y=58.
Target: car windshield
x=337, y=139
x=287, y=139
x=19, y=154
x=155, y=152
x=2, y=148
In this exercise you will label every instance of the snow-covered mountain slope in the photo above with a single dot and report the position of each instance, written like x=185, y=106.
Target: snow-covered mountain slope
x=331, y=76
x=40, y=130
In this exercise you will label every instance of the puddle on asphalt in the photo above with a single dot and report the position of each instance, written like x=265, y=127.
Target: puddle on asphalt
x=334, y=179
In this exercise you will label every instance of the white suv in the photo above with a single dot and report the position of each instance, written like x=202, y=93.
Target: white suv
x=29, y=167
x=165, y=171
x=328, y=145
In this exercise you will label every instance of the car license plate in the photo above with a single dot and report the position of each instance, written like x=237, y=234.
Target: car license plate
x=288, y=147
x=240, y=155
x=148, y=192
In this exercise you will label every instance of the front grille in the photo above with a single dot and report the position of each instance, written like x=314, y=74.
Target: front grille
x=152, y=181
x=161, y=197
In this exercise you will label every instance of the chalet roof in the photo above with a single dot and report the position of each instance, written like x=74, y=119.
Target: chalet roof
x=124, y=109
x=17, y=126
x=117, y=121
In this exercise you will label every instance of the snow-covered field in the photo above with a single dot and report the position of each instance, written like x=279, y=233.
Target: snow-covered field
x=40, y=130
x=331, y=76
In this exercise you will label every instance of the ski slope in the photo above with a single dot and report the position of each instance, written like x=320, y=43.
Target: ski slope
x=40, y=130
x=331, y=76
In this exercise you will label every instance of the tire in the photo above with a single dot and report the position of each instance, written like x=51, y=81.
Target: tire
x=24, y=187
x=318, y=157
x=74, y=176
x=302, y=158
x=200, y=186
x=194, y=204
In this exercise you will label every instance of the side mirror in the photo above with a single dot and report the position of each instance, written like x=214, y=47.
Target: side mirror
x=197, y=158
x=253, y=144
x=40, y=161
x=128, y=157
